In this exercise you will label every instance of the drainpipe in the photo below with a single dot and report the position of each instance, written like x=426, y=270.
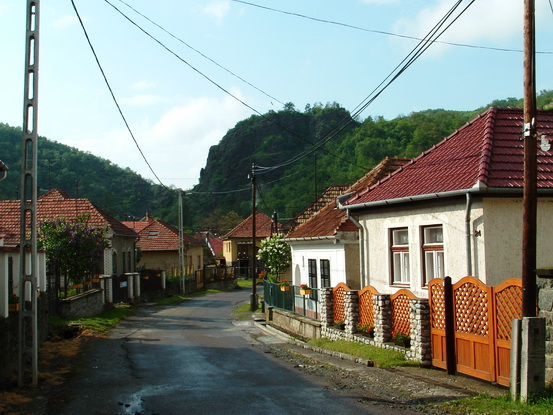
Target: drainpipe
x=361, y=247
x=468, y=234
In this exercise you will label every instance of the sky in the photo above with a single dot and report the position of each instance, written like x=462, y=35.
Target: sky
x=186, y=72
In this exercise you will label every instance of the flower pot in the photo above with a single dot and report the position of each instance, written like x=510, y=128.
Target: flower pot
x=284, y=288
x=96, y=280
x=306, y=291
x=77, y=286
x=14, y=308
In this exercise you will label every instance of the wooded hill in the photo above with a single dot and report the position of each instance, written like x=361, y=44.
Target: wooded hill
x=288, y=138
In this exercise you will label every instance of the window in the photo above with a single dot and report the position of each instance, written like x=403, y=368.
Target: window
x=400, y=256
x=325, y=273
x=312, y=272
x=432, y=252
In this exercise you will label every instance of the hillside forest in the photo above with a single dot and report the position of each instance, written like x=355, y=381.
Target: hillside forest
x=297, y=155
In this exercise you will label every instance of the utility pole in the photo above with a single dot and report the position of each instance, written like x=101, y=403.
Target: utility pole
x=181, y=244
x=530, y=166
x=28, y=265
x=253, y=300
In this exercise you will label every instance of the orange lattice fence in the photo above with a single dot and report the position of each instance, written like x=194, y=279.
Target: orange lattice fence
x=366, y=305
x=508, y=306
x=436, y=302
x=401, y=311
x=482, y=318
x=339, y=302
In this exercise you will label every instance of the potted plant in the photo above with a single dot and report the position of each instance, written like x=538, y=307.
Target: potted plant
x=365, y=330
x=14, y=303
x=401, y=338
x=339, y=324
x=284, y=285
x=304, y=289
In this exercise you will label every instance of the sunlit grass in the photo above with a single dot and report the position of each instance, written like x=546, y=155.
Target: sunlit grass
x=381, y=357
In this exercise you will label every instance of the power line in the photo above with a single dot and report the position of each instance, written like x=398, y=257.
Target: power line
x=200, y=53
x=113, y=95
x=381, y=32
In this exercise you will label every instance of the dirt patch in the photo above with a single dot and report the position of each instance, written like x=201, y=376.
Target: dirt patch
x=55, y=363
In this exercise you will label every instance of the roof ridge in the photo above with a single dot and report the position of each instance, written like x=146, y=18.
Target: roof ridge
x=487, y=145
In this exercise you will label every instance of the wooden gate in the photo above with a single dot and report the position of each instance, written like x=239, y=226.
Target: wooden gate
x=482, y=318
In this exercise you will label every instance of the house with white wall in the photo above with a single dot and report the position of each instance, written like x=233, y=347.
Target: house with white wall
x=456, y=209
x=325, y=247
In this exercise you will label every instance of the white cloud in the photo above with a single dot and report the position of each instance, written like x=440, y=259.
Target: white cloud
x=142, y=100
x=66, y=21
x=217, y=9
x=485, y=23
x=143, y=85
x=177, y=145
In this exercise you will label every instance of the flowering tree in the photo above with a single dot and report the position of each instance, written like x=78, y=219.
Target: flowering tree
x=275, y=253
x=72, y=247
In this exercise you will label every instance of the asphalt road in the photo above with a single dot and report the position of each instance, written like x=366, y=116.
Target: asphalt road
x=190, y=358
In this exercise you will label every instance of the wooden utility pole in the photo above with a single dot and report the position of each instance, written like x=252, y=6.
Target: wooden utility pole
x=530, y=166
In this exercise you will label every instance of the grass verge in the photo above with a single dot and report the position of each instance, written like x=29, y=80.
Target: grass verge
x=487, y=405
x=380, y=357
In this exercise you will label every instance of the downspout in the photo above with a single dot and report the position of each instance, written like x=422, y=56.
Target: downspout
x=361, y=247
x=468, y=234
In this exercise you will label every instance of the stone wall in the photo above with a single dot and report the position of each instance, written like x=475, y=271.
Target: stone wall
x=545, y=305
x=89, y=303
x=293, y=324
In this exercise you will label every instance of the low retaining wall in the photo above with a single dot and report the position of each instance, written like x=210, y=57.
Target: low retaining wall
x=293, y=324
x=89, y=303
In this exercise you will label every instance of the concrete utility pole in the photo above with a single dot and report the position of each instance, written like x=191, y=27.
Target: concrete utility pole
x=28, y=265
x=253, y=299
x=181, y=244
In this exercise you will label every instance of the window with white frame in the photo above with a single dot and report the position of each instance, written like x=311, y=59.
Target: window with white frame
x=399, y=250
x=433, y=252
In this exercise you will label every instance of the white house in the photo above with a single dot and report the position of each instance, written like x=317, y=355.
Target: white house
x=456, y=210
x=325, y=248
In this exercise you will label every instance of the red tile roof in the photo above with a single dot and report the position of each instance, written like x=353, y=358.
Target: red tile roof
x=330, y=220
x=57, y=204
x=244, y=228
x=486, y=152
x=158, y=235
x=328, y=196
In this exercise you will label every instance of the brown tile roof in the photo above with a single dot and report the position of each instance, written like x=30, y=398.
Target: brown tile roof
x=330, y=220
x=57, y=204
x=244, y=228
x=328, y=196
x=487, y=151
x=158, y=235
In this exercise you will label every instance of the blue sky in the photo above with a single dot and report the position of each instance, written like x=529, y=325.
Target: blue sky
x=176, y=113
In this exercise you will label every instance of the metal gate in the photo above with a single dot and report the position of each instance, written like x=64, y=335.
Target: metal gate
x=481, y=317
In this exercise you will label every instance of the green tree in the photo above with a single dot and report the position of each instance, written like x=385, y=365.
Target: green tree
x=275, y=253
x=72, y=247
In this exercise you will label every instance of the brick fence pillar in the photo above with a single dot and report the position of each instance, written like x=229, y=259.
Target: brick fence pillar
x=327, y=306
x=420, y=331
x=382, y=318
x=351, y=302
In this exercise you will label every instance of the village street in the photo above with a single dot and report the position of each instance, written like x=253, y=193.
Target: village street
x=191, y=358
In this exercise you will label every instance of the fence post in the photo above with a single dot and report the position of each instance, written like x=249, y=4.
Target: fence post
x=351, y=303
x=420, y=331
x=382, y=318
x=449, y=327
x=327, y=307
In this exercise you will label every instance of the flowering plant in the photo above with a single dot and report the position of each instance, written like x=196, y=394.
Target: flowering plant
x=304, y=287
x=365, y=328
x=275, y=253
x=14, y=299
x=399, y=337
x=284, y=283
